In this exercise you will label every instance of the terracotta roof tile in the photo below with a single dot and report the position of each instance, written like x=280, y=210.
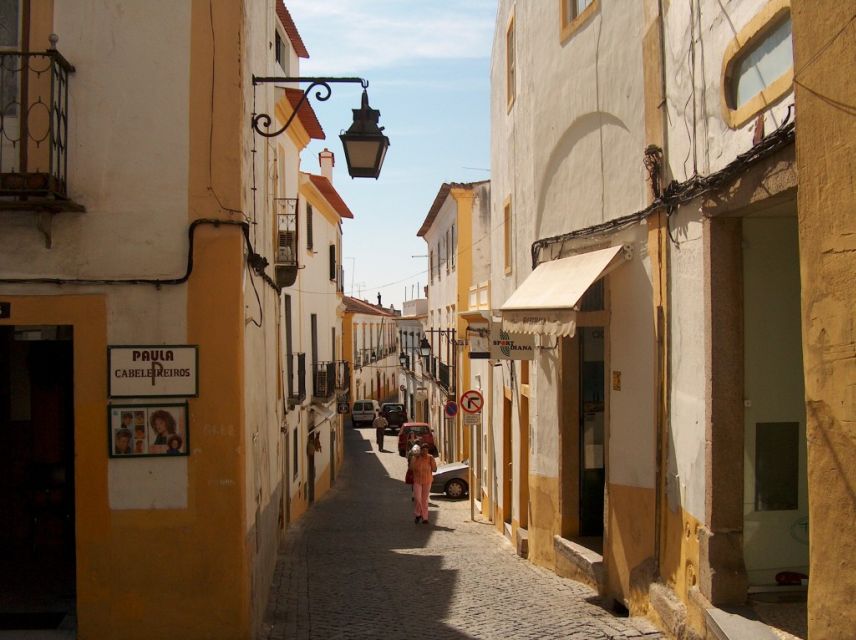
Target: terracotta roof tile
x=291, y=30
x=306, y=114
x=326, y=188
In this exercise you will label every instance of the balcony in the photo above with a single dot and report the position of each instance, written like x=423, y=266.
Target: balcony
x=323, y=380
x=285, y=256
x=34, y=132
x=296, y=372
x=343, y=376
x=444, y=377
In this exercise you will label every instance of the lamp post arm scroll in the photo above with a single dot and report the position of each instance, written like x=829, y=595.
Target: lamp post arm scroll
x=262, y=121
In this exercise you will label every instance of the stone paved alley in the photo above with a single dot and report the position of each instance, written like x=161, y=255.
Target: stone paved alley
x=356, y=566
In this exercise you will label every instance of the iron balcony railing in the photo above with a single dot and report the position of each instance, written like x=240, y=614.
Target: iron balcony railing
x=323, y=380
x=296, y=371
x=444, y=376
x=286, y=224
x=34, y=129
x=343, y=375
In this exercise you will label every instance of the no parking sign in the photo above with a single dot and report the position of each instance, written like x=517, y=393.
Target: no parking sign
x=451, y=409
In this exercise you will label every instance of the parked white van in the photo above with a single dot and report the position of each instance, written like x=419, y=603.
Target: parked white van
x=363, y=412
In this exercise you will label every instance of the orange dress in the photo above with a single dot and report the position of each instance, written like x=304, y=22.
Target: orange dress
x=423, y=468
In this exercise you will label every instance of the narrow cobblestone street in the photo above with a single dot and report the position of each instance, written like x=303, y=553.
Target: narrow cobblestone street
x=356, y=566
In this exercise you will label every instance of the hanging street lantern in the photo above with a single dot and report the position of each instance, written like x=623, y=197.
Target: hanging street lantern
x=425, y=347
x=364, y=142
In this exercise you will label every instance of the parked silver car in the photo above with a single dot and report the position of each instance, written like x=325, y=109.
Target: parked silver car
x=453, y=479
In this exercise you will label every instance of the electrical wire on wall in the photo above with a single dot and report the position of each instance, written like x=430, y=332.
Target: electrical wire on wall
x=676, y=194
x=255, y=262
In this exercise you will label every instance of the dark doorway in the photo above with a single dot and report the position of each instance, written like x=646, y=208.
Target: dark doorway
x=310, y=471
x=37, y=561
x=592, y=471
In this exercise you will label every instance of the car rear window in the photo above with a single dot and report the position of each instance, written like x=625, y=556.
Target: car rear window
x=392, y=408
x=361, y=406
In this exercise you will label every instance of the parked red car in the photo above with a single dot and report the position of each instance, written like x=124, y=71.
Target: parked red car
x=415, y=433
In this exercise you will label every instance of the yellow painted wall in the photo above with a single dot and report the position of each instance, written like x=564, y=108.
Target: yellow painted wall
x=87, y=314
x=630, y=522
x=545, y=520
x=825, y=152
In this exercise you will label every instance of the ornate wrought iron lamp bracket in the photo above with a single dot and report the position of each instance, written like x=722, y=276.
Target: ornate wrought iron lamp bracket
x=262, y=121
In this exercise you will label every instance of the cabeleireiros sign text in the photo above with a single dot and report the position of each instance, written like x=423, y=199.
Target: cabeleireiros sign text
x=146, y=371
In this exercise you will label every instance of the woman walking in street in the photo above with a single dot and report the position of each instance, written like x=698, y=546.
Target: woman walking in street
x=423, y=467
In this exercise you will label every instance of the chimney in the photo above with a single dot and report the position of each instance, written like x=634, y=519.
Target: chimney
x=378, y=300
x=327, y=161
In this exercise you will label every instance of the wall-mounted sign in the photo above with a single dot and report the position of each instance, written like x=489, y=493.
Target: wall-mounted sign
x=479, y=338
x=450, y=409
x=135, y=430
x=510, y=346
x=343, y=407
x=5, y=310
x=472, y=401
x=163, y=371
x=472, y=419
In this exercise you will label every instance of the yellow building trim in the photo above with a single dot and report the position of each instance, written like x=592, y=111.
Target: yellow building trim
x=464, y=198
x=510, y=63
x=630, y=531
x=296, y=131
x=755, y=31
x=545, y=519
x=215, y=322
x=87, y=314
x=571, y=24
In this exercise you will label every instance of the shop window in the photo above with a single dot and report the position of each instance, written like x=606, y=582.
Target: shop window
x=758, y=64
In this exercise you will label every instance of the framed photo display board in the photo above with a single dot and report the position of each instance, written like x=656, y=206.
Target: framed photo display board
x=145, y=430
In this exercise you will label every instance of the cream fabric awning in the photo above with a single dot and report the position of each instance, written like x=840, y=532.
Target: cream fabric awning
x=544, y=303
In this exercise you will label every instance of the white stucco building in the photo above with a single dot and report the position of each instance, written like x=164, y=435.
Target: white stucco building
x=371, y=340
x=643, y=208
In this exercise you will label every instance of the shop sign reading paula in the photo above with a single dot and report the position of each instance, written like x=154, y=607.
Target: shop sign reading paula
x=163, y=371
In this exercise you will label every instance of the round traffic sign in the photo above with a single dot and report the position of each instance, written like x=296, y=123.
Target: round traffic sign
x=472, y=401
x=451, y=409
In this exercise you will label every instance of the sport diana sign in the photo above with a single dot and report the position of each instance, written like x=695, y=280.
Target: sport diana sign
x=510, y=346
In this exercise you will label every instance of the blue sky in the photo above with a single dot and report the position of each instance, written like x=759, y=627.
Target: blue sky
x=428, y=65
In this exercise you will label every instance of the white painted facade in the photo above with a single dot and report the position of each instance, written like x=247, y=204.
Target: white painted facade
x=569, y=138
x=441, y=240
x=566, y=155
x=410, y=331
x=375, y=355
